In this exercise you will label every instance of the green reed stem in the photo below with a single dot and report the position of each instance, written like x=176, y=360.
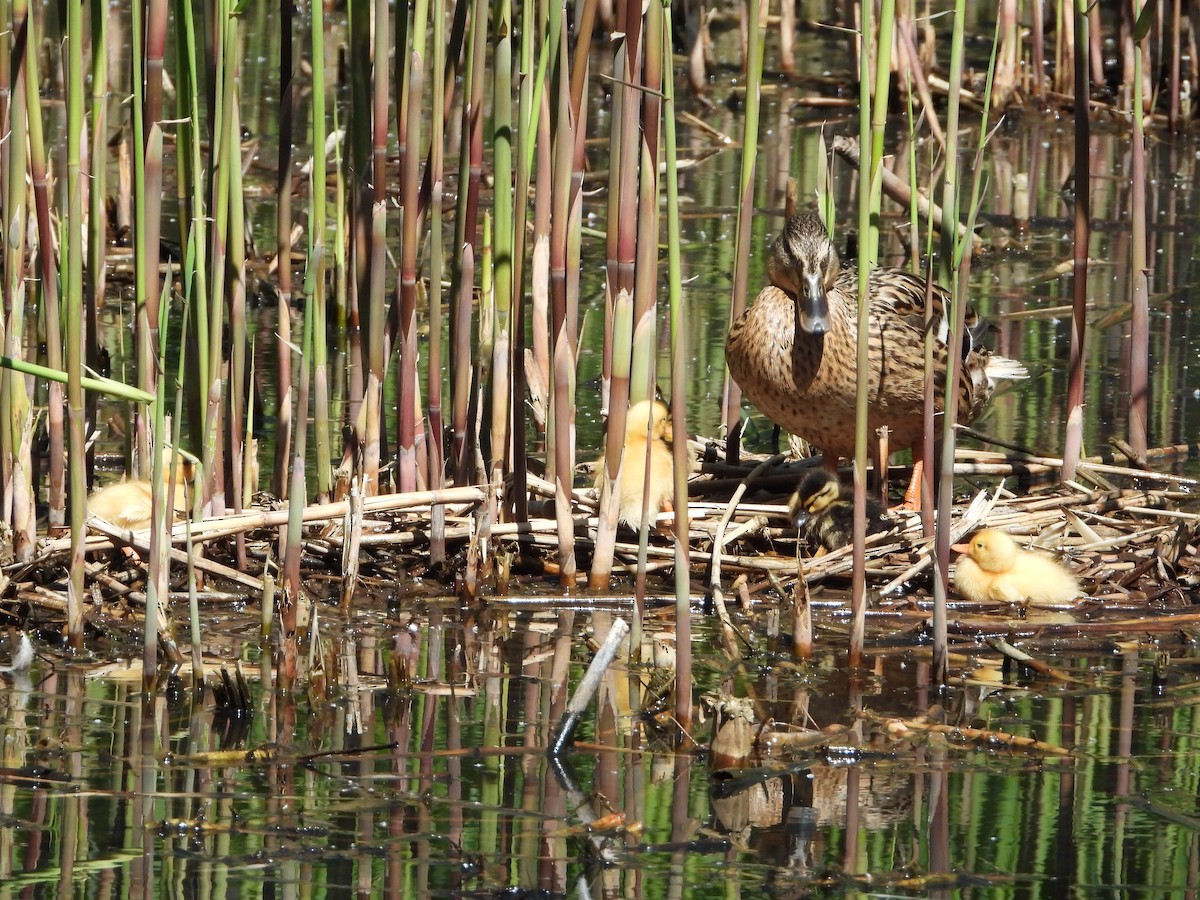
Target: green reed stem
x=193, y=215
x=409, y=411
x=49, y=274
x=502, y=161
x=528, y=103
x=870, y=134
x=741, y=254
x=949, y=236
x=679, y=379
x=15, y=408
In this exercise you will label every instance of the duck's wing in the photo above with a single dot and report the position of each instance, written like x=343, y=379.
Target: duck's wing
x=900, y=295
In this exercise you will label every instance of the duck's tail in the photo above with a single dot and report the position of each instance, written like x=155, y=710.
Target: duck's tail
x=1001, y=368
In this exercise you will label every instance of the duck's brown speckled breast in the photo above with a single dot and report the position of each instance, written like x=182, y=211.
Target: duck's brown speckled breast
x=807, y=386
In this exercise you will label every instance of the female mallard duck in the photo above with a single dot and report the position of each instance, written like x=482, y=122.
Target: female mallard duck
x=648, y=436
x=995, y=568
x=794, y=351
x=823, y=510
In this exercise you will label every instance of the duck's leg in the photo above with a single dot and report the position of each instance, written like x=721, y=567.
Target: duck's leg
x=919, y=495
x=912, y=496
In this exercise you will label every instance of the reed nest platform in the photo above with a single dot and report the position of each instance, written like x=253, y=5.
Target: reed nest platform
x=1131, y=535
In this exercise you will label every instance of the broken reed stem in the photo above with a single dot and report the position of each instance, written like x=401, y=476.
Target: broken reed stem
x=578, y=704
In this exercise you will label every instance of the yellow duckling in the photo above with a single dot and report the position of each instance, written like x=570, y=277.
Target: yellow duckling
x=794, y=352
x=823, y=510
x=127, y=504
x=640, y=441
x=995, y=568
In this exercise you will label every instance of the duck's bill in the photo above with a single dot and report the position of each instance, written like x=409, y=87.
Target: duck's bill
x=814, y=307
x=960, y=548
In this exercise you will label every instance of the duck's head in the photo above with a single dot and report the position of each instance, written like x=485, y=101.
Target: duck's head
x=992, y=550
x=816, y=492
x=653, y=411
x=804, y=263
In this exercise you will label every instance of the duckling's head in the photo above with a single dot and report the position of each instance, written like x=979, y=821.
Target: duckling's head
x=816, y=492
x=992, y=550
x=804, y=263
x=655, y=413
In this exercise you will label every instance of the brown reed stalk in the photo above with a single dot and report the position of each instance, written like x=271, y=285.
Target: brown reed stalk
x=502, y=163
x=614, y=446
x=157, y=618
x=409, y=413
x=645, y=293
x=1009, y=56
x=371, y=420
x=1064, y=46
x=539, y=281
x=465, y=237
x=288, y=91
x=562, y=329
x=148, y=225
x=1173, y=82
x=628, y=293
x=1139, y=344
x=435, y=165
x=617, y=241
x=206, y=389
x=1073, y=440
x=97, y=177
x=238, y=341
x=1038, y=48
x=73, y=298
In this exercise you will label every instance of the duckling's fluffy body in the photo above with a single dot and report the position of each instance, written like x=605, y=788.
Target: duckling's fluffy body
x=996, y=569
x=794, y=352
x=823, y=510
x=128, y=504
x=645, y=446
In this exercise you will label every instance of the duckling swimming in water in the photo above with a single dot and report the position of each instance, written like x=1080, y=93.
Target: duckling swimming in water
x=128, y=504
x=634, y=462
x=995, y=568
x=823, y=510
